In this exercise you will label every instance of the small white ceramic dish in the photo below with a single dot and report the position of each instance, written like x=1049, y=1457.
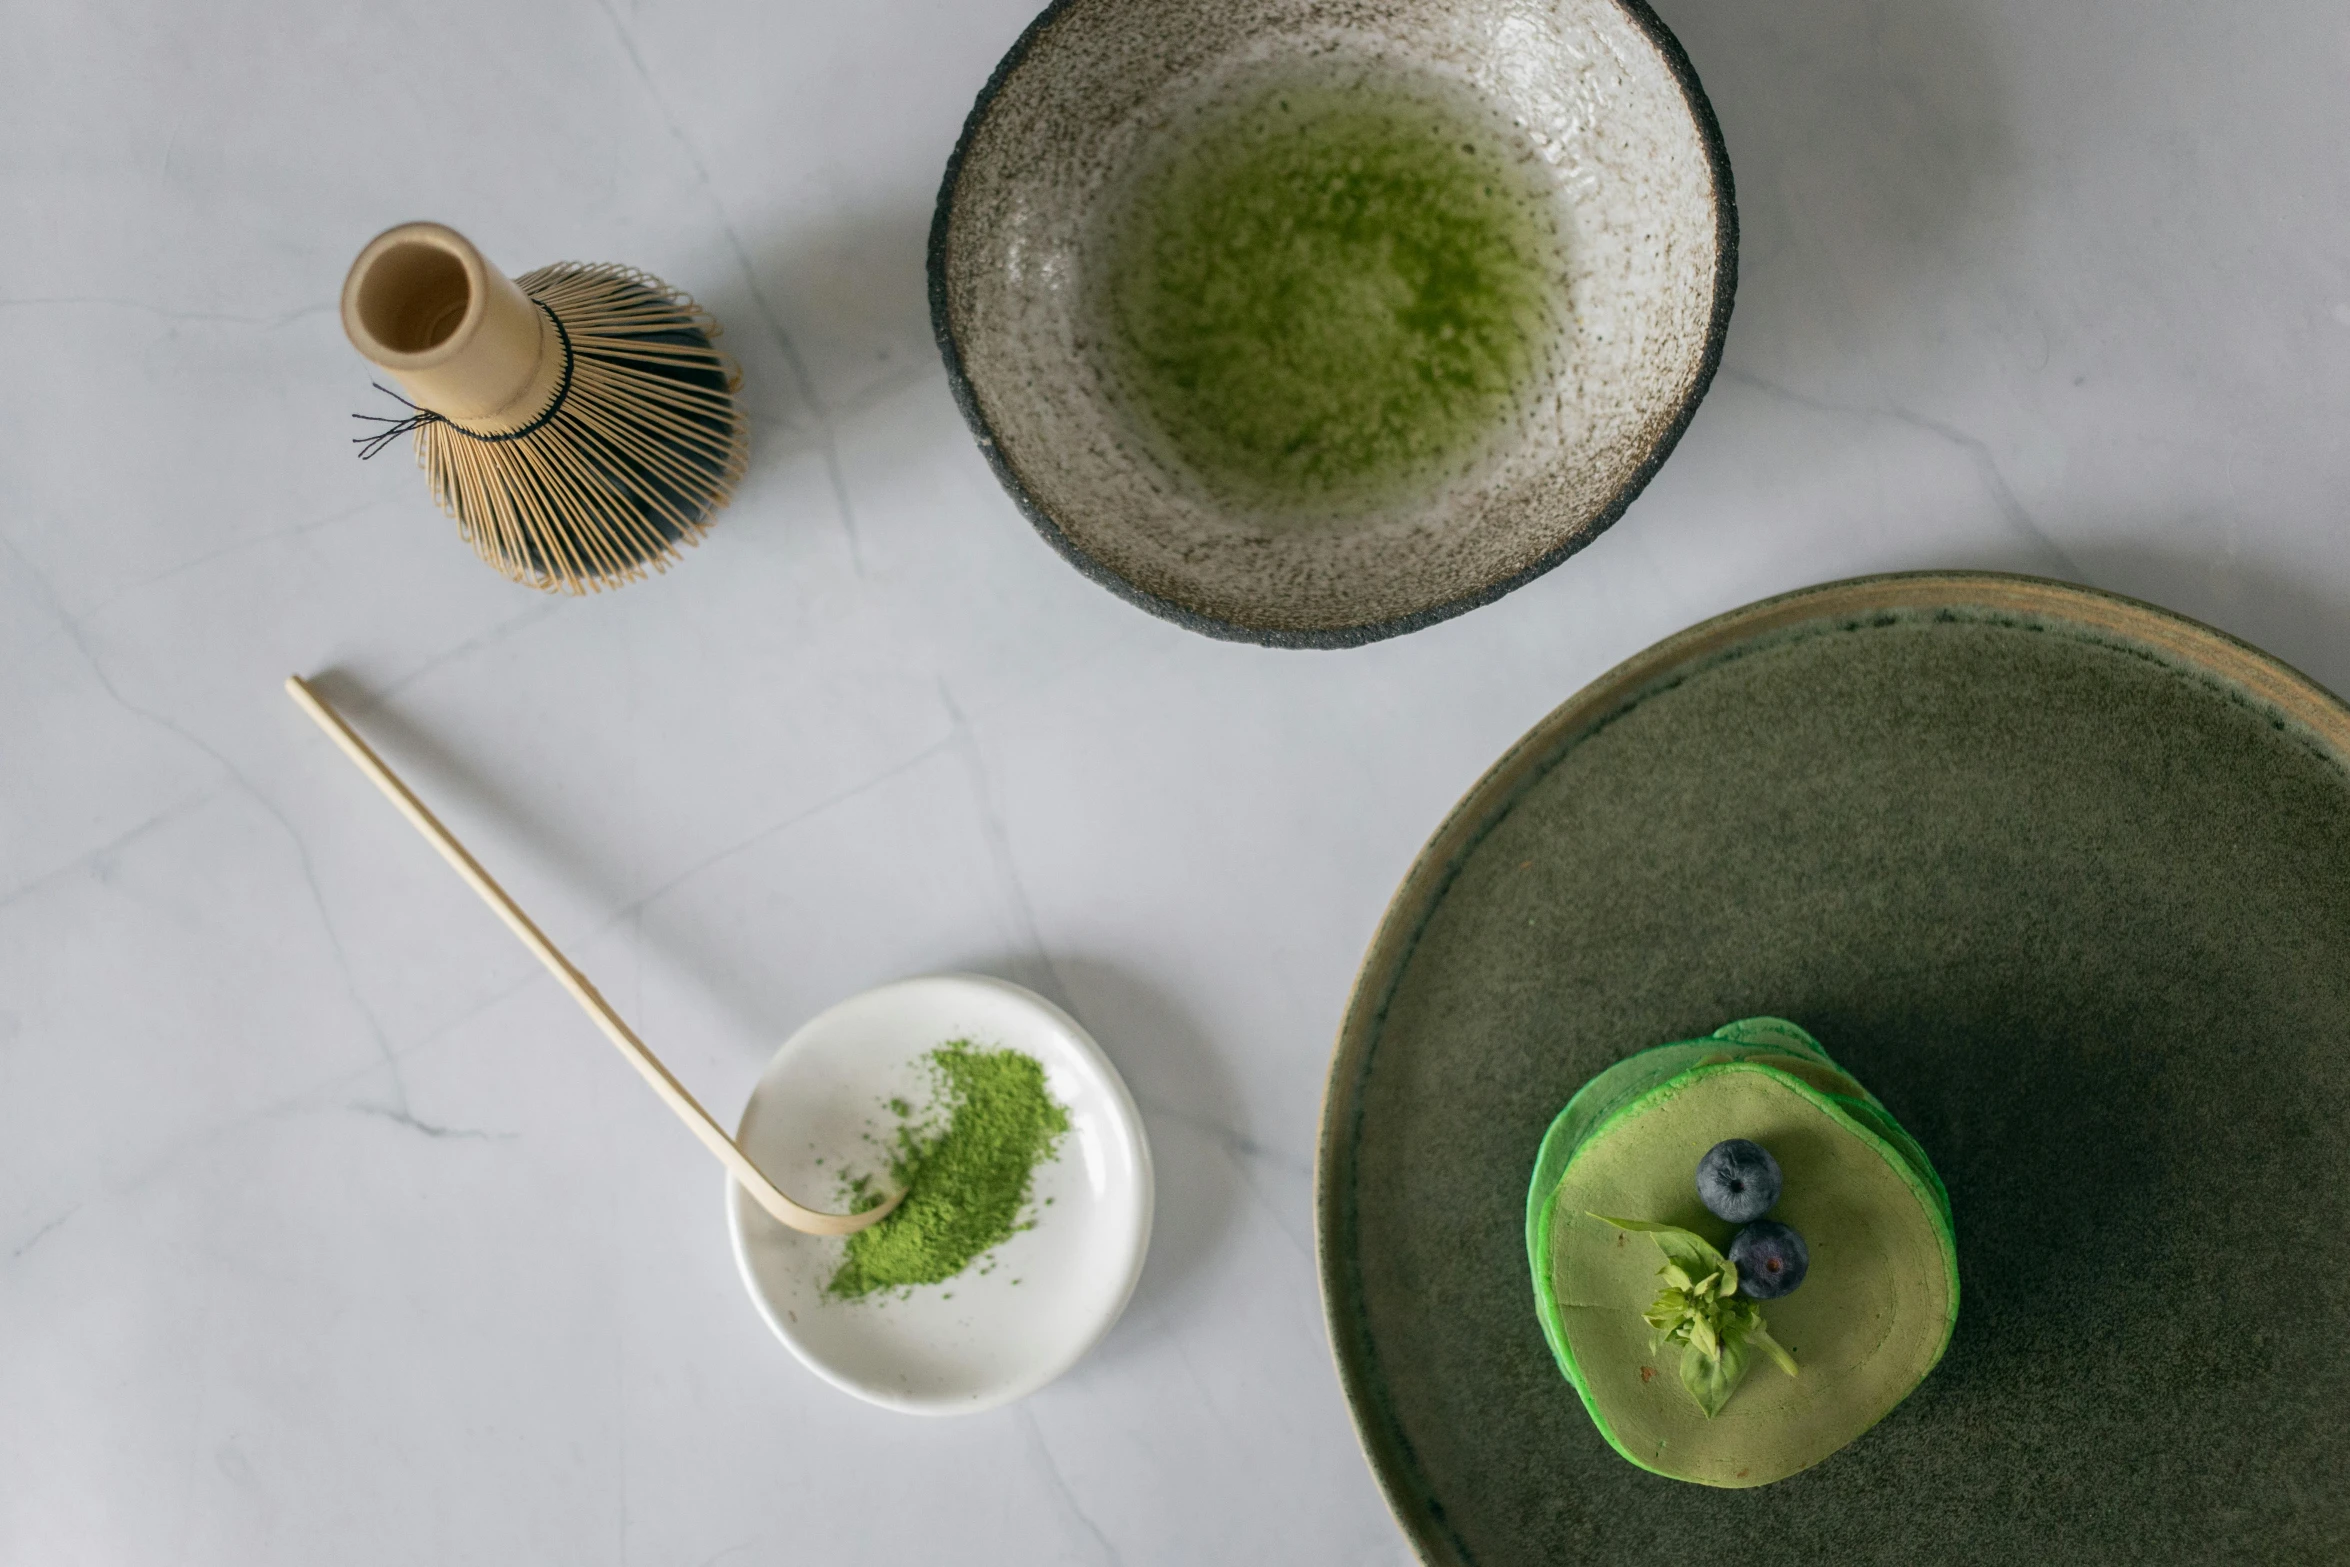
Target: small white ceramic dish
x=982, y=1339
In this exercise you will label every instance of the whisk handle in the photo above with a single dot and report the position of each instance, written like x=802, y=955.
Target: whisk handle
x=460, y=336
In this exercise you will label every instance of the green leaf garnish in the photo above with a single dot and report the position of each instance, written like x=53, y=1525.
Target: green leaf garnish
x=1751, y=1331
x=1712, y=1378
x=1701, y=1309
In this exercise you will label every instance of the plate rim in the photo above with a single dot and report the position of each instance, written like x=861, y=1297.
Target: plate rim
x=1126, y=1112
x=2234, y=666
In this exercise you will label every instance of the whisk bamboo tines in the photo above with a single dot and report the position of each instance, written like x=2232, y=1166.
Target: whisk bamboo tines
x=577, y=421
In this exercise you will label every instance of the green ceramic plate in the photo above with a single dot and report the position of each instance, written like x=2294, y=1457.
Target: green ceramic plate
x=2065, y=880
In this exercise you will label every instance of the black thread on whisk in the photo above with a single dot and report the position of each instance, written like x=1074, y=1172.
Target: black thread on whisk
x=554, y=404
x=393, y=428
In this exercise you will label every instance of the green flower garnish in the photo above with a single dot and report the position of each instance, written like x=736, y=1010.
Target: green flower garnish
x=1700, y=1308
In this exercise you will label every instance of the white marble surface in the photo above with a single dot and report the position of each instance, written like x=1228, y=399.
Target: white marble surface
x=329, y=1232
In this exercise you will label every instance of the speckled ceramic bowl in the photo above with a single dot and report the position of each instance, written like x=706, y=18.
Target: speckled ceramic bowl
x=1604, y=112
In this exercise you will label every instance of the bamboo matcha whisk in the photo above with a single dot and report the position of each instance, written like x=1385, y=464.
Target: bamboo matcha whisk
x=576, y=421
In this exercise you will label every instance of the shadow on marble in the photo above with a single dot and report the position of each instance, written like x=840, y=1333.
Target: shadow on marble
x=1191, y=1110
x=834, y=317
x=1870, y=147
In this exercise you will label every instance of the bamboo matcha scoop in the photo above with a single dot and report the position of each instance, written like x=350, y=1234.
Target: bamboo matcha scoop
x=673, y=1093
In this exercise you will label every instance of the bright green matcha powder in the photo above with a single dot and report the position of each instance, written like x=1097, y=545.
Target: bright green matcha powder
x=1325, y=297
x=967, y=1183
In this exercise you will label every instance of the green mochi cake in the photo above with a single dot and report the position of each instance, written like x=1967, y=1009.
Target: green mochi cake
x=1872, y=1316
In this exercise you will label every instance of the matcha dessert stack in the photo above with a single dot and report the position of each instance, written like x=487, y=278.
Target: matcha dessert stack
x=1740, y=1259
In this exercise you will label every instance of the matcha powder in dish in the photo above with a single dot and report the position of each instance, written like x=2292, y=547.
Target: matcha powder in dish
x=967, y=1183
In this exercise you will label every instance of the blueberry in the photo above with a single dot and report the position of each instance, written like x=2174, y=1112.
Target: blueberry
x=1771, y=1259
x=1738, y=1180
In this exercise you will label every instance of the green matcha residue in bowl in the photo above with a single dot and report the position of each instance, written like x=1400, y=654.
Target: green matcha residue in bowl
x=1331, y=296
x=967, y=1181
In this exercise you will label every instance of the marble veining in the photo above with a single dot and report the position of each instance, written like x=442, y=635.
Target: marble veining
x=329, y=1231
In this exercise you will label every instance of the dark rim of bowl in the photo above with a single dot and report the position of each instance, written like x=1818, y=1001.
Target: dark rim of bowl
x=966, y=397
